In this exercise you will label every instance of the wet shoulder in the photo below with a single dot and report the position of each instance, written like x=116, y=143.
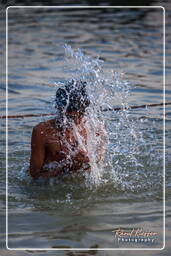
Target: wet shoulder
x=43, y=126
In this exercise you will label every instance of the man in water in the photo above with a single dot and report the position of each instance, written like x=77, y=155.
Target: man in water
x=58, y=146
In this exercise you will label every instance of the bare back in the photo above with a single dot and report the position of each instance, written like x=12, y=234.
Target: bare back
x=51, y=144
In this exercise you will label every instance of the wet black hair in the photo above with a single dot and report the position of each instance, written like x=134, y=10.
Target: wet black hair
x=73, y=97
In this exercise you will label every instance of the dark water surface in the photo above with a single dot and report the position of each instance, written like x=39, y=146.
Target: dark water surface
x=70, y=215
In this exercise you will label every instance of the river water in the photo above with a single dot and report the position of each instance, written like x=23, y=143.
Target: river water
x=69, y=214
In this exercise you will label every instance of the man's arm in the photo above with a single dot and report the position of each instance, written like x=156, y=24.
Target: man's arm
x=80, y=159
x=72, y=165
x=37, y=153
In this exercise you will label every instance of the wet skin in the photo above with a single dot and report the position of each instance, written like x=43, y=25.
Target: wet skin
x=49, y=144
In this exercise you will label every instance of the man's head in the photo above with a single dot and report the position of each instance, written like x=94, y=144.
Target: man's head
x=72, y=99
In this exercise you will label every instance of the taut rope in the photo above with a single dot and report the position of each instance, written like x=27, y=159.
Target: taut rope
x=106, y=109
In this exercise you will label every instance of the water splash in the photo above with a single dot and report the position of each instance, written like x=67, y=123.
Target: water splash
x=118, y=143
x=105, y=89
x=121, y=134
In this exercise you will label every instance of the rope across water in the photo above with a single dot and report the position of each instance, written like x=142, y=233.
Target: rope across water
x=106, y=109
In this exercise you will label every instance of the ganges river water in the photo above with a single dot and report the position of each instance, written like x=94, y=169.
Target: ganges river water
x=71, y=213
